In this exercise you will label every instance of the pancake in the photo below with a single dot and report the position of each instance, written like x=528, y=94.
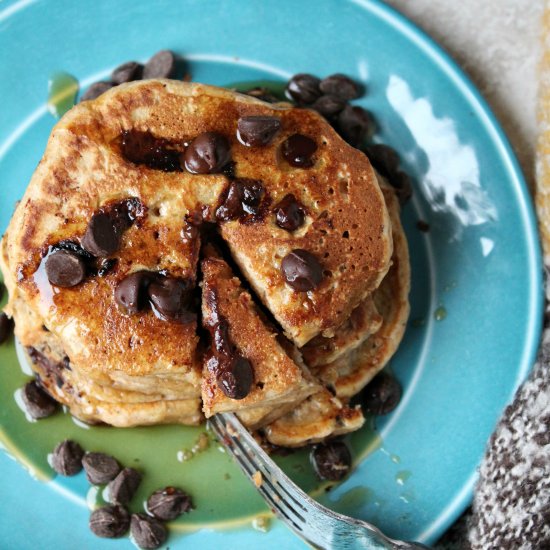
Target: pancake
x=319, y=417
x=123, y=152
x=349, y=374
x=279, y=383
x=363, y=321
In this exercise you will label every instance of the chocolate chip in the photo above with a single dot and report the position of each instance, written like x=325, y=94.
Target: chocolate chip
x=144, y=148
x=109, y=522
x=161, y=65
x=147, y=532
x=124, y=486
x=67, y=458
x=244, y=196
x=236, y=377
x=74, y=248
x=95, y=90
x=303, y=88
x=100, y=468
x=328, y=105
x=127, y=72
x=65, y=269
x=402, y=185
x=382, y=394
x=6, y=327
x=130, y=293
x=222, y=341
x=301, y=270
x=232, y=207
x=383, y=158
x=106, y=266
x=331, y=460
x=37, y=402
x=423, y=226
x=298, y=149
x=102, y=237
x=262, y=93
x=208, y=153
x=340, y=86
x=168, y=503
x=170, y=299
x=354, y=124
x=289, y=213
x=257, y=131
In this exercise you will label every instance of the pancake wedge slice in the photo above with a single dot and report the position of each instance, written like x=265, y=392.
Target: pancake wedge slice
x=279, y=382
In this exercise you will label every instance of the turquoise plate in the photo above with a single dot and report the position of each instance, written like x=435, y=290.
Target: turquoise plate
x=476, y=274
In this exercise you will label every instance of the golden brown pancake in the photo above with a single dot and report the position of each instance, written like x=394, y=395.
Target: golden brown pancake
x=141, y=369
x=279, y=382
x=317, y=418
x=363, y=321
x=350, y=373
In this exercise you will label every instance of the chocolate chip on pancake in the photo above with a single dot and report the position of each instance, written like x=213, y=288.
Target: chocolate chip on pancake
x=127, y=72
x=37, y=402
x=257, y=131
x=208, y=153
x=65, y=269
x=341, y=86
x=303, y=88
x=328, y=105
x=262, y=93
x=289, y=213
x=161, y=65
x=170, y=299
x=144, y=148
x=131, y=292
x=102, y=237
x=96, y=89
x=236, y=377
x=244, y=197
x=354, y=124
x=106, y=266
x=298, y=150
x=301, y=270
x=222, y=342
x=331, y=460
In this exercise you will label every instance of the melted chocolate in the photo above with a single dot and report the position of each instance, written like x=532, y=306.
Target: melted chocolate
x=143, y=148
x=234, y=373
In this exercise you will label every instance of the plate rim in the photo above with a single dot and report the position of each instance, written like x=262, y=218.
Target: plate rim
x=485, y=114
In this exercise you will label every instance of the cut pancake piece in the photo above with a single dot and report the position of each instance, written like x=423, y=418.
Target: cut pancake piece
x=279, y=383
x=351, y=372
x=319, y=417
x=363, y=321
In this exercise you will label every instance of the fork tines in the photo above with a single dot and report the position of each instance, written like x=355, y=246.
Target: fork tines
x=264, y=473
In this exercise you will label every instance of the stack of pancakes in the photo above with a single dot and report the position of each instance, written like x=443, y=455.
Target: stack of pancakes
x=310, y=350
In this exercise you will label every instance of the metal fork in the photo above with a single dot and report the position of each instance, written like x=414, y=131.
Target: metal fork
x=317, y=525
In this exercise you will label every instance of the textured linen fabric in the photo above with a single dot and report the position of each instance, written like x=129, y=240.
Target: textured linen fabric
x=498, y=44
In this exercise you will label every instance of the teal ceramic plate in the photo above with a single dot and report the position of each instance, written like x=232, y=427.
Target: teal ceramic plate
x=476, y=274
